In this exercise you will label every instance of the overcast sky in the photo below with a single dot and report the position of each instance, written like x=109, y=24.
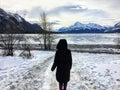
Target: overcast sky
x=66, y=12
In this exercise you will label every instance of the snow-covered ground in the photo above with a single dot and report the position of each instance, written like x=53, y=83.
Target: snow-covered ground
x=89, y=72
x=12, y=69
x=96, y=71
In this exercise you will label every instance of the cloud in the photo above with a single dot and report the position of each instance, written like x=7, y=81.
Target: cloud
x=110, y=3
x=77, y=9
x=55, y=22
x=22, y=12
x=35, y=12
x=67, y=9
x=96, y=13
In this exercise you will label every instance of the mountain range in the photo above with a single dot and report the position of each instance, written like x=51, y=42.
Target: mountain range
x=90, y=28
x=14, y=23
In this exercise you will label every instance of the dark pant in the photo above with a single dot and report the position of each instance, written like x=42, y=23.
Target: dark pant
x=63, y=86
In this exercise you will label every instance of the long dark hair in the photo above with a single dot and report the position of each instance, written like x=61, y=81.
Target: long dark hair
x=62, y=44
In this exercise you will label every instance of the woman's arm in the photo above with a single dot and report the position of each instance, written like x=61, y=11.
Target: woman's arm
x=70, y=59
x=55, y=63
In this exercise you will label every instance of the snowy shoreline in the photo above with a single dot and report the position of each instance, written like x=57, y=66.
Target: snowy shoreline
x=103, y=48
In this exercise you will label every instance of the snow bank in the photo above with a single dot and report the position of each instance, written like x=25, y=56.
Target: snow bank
x=96, y=71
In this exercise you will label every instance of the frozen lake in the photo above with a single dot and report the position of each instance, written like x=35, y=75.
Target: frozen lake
x=90, y=38
x=111, y=39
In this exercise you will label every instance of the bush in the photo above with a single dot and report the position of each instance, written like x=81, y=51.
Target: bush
x=26, y=53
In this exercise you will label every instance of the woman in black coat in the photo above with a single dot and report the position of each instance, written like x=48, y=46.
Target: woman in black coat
x=63, y=63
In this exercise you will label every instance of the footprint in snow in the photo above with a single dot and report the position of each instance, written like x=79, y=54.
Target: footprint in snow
x=82, y=87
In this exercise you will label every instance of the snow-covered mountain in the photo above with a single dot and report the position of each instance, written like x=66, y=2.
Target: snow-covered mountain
x=115, y=29
x=117, y=25
x=84, y=28
x=14, y=23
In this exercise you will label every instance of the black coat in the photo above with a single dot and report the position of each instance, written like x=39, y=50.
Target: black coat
x=63, y=62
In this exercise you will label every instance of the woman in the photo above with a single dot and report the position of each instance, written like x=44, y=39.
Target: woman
x=63, y=63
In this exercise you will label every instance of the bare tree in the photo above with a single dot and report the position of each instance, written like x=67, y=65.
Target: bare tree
x=8, y=42
x=39, y=38
x=50, y=37
x=26, y=53
x=47, y=37
x=43, y=17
